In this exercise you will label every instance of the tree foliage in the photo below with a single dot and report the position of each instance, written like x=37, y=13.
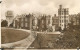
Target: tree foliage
x=4, y=23
x=70, y=38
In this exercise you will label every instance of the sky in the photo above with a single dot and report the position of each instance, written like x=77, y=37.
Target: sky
x=49, y=7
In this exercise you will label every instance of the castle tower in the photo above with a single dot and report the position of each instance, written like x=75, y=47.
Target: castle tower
x=63, y=15
x=9, y=17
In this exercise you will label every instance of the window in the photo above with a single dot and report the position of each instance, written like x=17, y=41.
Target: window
x=62, y=21
x=67, y=12
x=25, y=19
x=42, y=21
x=60, y=24
x=22, y=24
x=26, y=25
x=62, y=12
x=60, y=17
x=59, y=12
x=21, y=19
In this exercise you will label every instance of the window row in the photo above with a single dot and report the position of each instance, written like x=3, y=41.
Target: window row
x=63, y=12
x=23, y=19
x=22, y=24
x=62, y=21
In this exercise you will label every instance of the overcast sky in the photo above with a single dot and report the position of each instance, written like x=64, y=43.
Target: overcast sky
x=39, y=6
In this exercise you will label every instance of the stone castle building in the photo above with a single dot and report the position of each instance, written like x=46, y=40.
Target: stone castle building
x=75, y=19
x=63, y=15
x=35, y=23
x=23, y=21
x=55, y=22
x=44, y=22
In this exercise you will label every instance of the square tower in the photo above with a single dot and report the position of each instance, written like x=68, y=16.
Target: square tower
x=63, y=15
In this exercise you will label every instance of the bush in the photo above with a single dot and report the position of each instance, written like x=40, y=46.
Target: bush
x=4, y=23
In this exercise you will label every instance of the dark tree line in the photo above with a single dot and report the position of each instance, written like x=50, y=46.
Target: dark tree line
x=4, y=23
x=70, y=38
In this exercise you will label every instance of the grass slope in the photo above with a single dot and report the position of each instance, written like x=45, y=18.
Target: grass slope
x=12, y=35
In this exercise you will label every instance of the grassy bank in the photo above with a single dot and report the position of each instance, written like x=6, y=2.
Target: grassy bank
x=12, y=35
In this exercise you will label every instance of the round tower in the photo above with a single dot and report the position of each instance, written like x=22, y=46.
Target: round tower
x=9, y=17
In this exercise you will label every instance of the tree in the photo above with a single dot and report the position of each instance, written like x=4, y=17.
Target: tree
x=70, y=39
x=4, y=23
x=11, y=25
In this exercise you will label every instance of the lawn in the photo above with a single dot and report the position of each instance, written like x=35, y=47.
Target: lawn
x=12, y=35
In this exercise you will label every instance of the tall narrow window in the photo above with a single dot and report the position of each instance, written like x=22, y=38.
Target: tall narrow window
x=21, y=24
x=22, y=19
x=62, y=21
x=25, y=19
x=42, y=21
x=25, y=24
